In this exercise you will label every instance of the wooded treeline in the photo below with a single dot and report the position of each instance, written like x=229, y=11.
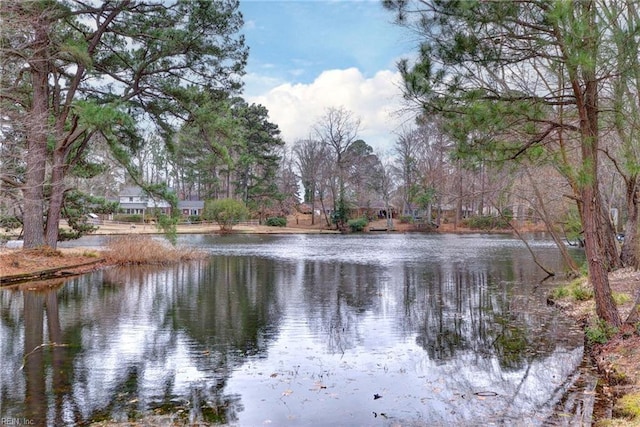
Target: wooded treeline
x=95, y=95
x=77, y=75
x=525, y=111
x=539, y=84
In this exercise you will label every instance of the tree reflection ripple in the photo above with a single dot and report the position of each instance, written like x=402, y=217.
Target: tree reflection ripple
x=296, y=330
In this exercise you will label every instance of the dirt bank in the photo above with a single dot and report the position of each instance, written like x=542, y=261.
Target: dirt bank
x=617, y=359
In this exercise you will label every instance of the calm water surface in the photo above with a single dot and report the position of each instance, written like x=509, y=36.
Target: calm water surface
x=303, y=330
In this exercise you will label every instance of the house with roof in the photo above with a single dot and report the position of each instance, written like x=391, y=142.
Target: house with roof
x=375, y=209
x=135, y=201
x=191, y=207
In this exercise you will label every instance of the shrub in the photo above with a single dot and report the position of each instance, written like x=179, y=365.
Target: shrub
x=600, y=332
x=340, y=216
x=276, y=221
x=486, y=222
x=628, y=406
x=406, y=219
x=9, y=222
x=139, y=250
x=620, y=298
x=226, y=212
x=357, y=224
x=128, y=218
x=560, y=292
x=582, y=294
x=194, y=218
x=577, y=289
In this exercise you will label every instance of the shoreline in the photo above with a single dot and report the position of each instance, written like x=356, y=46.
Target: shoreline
x=616, y=361
x=73, y=260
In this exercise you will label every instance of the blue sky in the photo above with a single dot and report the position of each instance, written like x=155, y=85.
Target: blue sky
x=308, y=55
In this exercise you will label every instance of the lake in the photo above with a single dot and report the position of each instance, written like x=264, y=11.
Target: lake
x=297, y=330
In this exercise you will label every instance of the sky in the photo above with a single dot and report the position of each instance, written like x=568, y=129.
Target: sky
x=309, y=55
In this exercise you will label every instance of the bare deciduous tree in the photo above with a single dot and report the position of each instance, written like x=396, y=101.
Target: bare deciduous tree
x=338, y=131
x=310, y=154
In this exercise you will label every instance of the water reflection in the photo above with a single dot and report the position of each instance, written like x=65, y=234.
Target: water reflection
x=277, y=330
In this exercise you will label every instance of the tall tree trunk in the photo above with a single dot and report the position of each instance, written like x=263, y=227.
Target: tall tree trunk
x=459, y=201
x=596, y=259
x=628, y=254
x=324, y=210
x=607, y=236
x=313, y=203
x=55, y=202
x=37, y=132
x=598, y=233
x=597, y=248
x=33, y=219
x=389, y=215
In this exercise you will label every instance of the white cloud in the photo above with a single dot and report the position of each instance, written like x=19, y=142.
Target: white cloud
x=258, y=83
x=376, y=100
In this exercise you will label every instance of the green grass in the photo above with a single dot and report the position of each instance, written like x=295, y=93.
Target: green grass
x=620, y=298
x=577, y=290
x=599, y=332
x=628, y=406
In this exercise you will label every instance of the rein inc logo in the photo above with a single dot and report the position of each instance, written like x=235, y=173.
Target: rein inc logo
x=12, y=421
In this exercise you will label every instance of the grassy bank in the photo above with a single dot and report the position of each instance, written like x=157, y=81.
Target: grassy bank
x=21, y=265
x=615, y=353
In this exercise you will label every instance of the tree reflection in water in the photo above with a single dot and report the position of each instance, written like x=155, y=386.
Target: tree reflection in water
x=256, y=338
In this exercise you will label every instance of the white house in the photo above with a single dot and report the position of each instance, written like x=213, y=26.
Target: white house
x=133, y=200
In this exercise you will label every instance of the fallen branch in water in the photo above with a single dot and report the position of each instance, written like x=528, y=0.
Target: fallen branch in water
x=51, y=273
x=39, y=347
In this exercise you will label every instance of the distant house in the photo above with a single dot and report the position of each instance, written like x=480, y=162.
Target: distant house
x=134, y=201
x=305, y=208
x=191, y=207
x=374, y=209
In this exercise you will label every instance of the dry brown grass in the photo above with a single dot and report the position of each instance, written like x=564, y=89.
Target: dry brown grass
x=141, y=250
x=24, y=261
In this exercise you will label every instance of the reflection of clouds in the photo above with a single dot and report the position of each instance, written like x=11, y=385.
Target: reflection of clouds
x=479, y=333
x=442, y=250
x=413, y=386
x=170, y=362
x=12, y=383
x=267, y=337
x=520, y=395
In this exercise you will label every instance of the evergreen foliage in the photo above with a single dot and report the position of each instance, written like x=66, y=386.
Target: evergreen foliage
x=67, y=84
x=357, y=224
x=276, y=221
x=516, y=81
x=76, y=209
